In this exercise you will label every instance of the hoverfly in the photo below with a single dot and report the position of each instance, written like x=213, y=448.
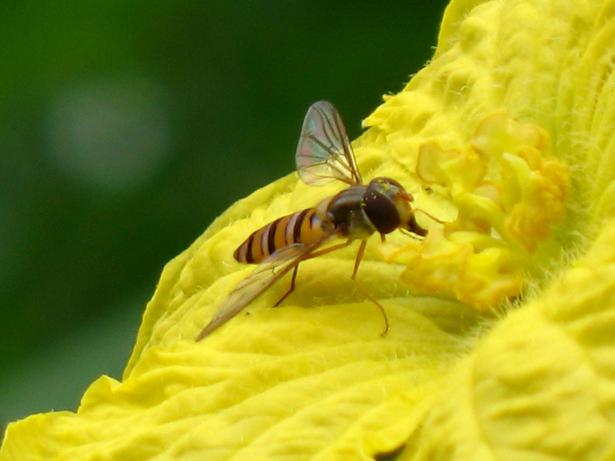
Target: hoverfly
x=323, y=154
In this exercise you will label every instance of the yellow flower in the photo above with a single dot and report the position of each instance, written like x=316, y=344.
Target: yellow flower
x=505, y=137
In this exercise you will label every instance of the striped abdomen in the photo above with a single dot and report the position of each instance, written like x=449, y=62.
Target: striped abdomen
x=300, y=227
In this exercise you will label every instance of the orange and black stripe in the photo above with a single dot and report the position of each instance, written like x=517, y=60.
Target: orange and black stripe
x=300, y=227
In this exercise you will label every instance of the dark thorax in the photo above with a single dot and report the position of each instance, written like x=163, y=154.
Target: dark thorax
x=344, y=212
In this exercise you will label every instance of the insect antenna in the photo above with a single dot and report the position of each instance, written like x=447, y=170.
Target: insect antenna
x=411, y=234
x=430, y=215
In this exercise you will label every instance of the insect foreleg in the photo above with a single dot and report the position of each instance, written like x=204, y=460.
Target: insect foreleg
x=357, y=262
x=358, y=259
x=365, y=293
x=378, y=305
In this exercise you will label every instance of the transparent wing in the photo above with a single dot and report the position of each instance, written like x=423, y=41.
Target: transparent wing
x=266, y=274
x=324, y=152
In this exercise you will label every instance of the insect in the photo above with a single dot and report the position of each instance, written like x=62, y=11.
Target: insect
x=355, y=213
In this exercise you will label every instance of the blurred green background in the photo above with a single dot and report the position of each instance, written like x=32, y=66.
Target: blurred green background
x=127, y=126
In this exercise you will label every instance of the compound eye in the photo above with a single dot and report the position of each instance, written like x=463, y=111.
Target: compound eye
x=387, y=181
x=393, y=183
x=381, y=211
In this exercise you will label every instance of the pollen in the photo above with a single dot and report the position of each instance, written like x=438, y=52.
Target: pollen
x=508, y=191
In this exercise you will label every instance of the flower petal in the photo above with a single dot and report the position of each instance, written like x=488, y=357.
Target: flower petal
x=511, y=127
x=540, y=385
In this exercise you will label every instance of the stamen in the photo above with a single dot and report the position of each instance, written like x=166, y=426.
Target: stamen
x=508, y=192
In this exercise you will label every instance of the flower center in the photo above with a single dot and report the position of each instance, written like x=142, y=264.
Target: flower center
x=507, y=191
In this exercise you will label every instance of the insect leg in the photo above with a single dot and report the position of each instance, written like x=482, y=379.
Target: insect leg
x=324, y=251
x=309, y=256
x=364, y=291
x=358, y=259
x=292, y=286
